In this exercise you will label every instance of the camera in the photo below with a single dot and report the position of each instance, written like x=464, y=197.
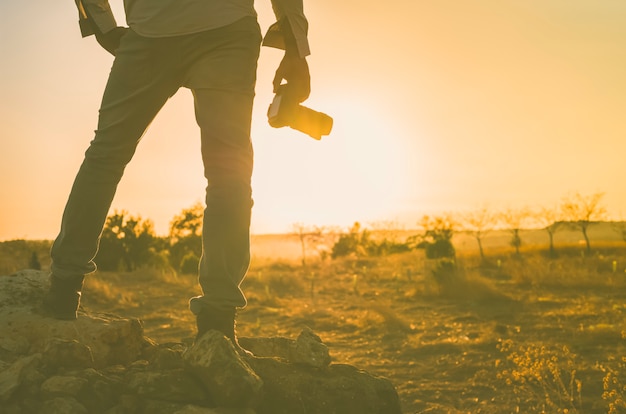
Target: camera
x=286, y=111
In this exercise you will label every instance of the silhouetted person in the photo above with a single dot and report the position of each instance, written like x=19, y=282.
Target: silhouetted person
x=212, y=48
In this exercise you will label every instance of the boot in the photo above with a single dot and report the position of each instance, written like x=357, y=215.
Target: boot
x=63, y=298
x=222, y=320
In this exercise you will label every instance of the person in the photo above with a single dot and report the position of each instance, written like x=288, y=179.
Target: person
x=212, y=48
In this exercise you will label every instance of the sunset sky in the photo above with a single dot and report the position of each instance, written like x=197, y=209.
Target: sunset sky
x=439, y=105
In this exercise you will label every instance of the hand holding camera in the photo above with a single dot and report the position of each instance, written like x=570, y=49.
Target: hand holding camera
x=295, y=70
x=285, y=110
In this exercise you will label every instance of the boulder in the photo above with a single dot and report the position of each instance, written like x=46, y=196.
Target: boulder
x=307, y=350
x=63, y=405
x=111, y=339
x=336, y=389
x=227, y=378
x=103, y=364
x=63, y=386
x=15, y=375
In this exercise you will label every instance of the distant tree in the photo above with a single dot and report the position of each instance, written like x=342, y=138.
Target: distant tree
x=385, y=238
x=620, y=228
x=359, y=242
x=307, y=235
x=550, y=219
x=185, y=238
x=583, y=211
x=515, y=220
x=479, y=223
x=436, y=237
x=127, y=242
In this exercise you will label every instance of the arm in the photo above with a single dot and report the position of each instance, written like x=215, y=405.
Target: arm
x=290, y=34
x=290, y=29
x=95, y=15
x=96, y=18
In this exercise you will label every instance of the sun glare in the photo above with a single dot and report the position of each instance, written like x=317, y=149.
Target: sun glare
x=359, y=172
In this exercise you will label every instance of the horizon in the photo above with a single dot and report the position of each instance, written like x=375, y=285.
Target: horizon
x=375, y=227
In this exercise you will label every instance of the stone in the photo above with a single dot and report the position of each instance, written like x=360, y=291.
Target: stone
x=337, y=389
x=62, y=386
x=102, y=390
x=175, y=385
x=63, y=354
x=167, y=356
x=228, y=379
x=62, y=405
x=12, y=377
x=308, y=349
x=17, y=345
x=194, y=409
x=102, y=364
x=111, y=339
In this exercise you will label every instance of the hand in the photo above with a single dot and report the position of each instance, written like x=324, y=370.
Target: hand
x=295, y=70
x=111, y=39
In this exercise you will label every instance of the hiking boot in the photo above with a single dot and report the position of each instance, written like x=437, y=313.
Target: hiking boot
x=63, y=298
x=222, y=320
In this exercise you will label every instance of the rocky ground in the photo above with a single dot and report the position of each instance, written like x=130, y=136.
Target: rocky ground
x=102, y=363
x=513, y=335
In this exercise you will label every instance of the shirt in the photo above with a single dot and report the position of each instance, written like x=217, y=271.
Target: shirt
x=163, y=18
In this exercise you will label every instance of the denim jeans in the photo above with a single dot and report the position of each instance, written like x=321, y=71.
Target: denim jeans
x=219, y=66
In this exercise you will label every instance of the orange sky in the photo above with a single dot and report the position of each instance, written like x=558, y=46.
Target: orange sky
x=438, y=105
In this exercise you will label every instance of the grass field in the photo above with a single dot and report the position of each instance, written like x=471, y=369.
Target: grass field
x=510, y=334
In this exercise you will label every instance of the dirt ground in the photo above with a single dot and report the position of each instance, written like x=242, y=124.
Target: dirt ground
x=526, y=334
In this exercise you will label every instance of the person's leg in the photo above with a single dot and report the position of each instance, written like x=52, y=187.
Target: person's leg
x=140, y=82
x=223, y=97
x=227, y=154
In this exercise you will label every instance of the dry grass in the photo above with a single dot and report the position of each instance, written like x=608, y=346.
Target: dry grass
x=509, y=334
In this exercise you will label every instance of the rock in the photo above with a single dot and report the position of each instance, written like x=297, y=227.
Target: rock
x=111, y=339
x=17, y=345
x=62, y=386
x=158, y=407
x=227, y=378
x=103, y=364
x=194, y=409
x=172, y=385
x=59, y=353
x=102, y=390
x=167, y=356
x=308, y=349
x=12, y=377
x=66, y=405
x=337, y=389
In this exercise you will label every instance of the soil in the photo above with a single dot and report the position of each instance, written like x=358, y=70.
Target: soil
x=527, y=334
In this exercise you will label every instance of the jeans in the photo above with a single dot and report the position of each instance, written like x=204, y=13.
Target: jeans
x=219, y=66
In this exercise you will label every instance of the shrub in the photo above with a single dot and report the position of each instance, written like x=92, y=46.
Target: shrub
x=359, y=243
x=189, y=264
x=436, y=239
x=543, y=379
x=354, y=242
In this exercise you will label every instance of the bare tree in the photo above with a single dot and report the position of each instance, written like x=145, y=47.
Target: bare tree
x=620, y=228
x=550, y=219
x=515, y=219
x=583, y=211
x=307, y=235
x=479, y=223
